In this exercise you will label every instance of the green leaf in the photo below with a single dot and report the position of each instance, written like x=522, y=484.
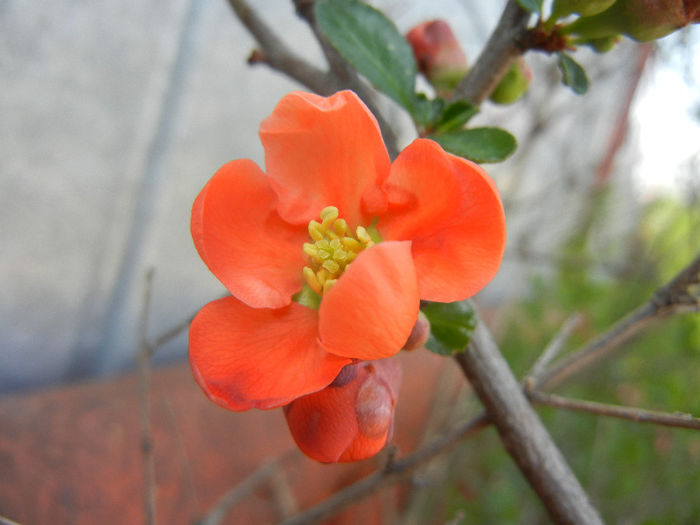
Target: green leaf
x=425, y=111
x=479, y=144
x=370, y=42
x=451, y=326
x=454, y=116
x=531, y=6
x=574, y=75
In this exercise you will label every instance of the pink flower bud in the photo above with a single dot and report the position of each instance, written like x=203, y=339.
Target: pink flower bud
x=352, y=418
x=438, y=54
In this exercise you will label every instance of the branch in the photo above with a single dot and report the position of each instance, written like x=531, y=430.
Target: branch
x=277, y=55
x=522, y=433
x=395, y=470
x=675, y=297
x=239, y=492
x=631, y=414
x=553, y=348
x=502, y=47
x=176, y=330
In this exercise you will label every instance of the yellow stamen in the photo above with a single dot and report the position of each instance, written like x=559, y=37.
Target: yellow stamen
x=328, y=285
x=363, y=236
x=312, y=280
x=332, y=250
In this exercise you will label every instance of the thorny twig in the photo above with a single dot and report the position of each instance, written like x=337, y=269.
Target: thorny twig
x=638, y=415
x=553, y=348
x=676, y=297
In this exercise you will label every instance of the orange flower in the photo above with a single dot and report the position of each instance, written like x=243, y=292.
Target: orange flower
x=329, y=252
x=352, y=418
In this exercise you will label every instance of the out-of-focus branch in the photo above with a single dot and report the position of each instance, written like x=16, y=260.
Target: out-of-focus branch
x=502, y=47
x=602, y=409
x=7, y=521
x=144, y=358
x=554, y=347
x=278, y=56
x=676, y=297
x=239, y=492
x=347, y=77
x=394, y=470
x=523, y=434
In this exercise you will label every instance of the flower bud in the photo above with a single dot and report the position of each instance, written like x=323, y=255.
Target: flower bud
x=352, y=418
x=438, y=55
x=419, y=334
x=514, y=83
x=642, y=20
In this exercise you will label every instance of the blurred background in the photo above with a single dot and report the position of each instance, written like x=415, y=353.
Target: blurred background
x=115, y=114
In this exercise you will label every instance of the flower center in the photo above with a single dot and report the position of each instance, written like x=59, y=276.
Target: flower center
x=333, y=248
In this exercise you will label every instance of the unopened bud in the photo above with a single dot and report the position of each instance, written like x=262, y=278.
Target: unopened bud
x=374, y=408
x=514, y=83
x=346, y=374
x=642, y=20
x=419, y=334
x=438, y=55
x=352, y=418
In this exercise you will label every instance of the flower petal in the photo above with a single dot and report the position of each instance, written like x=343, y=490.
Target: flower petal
x=350, y=422
x=370, y=312
x=324, y=152
x=243, y=240
x=246, y=357
x=451, y=211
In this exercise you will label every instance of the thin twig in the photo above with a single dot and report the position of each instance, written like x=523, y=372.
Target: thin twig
x=278, y=56
x=553, y=348
x=523, y=434
x=176, y=330
x=621, y=412
x=145, y=353
x=500, y=50
x=673, y=298
x=239, y=492
x=400, y=469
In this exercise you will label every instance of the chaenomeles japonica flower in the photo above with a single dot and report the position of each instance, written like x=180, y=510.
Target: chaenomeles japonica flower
x=327, y=255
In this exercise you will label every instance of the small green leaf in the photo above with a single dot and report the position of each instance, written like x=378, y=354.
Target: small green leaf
x=531, y=6
x=454, y=116
x=451, y=326
x=574, y=75
x=372, y=44
x=479, y=144
x=425, y=111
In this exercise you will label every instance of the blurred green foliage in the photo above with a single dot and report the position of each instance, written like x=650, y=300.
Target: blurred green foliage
x=634, y=473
